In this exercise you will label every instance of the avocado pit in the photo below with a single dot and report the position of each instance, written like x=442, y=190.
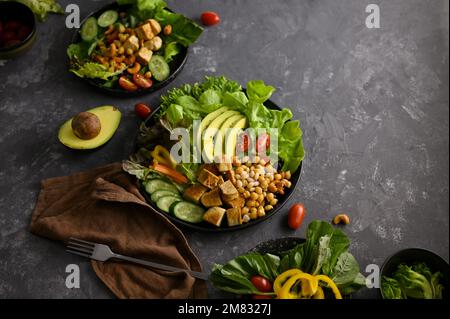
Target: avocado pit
x=86, y=125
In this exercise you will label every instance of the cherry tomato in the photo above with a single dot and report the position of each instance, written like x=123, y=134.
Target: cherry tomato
x=296, y=215
x=210, y=18
x=13, y=25
x=261, y=297
x=126, y=84
x=142, y=81
x=243, y=143
x=8, y=36
x=261, y=283
x=263, y=142
x=142, y=110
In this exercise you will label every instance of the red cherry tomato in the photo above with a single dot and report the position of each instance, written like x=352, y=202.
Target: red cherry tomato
x=13, y=25
x=296, y=215
x=261, y=297
x=243, y=143
x=263, y=142
x=142, y=81
x=126, y=84
x=261, y=283
x=210, y=18
x=142, y=110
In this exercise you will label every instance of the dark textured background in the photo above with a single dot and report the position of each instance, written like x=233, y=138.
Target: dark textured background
x=373, y=105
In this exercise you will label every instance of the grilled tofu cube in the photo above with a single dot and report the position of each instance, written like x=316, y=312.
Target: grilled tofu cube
x=212, y=198
x=131, y=43
x=237, y=202
x=144, y=55
x=228, y=190
x=224, y=167
x=221, y=181
x=214, y=215
x=144, y=32
x=156, y=27
x=194, y=193
x=234, y=216
x=208, y=179
x=210, y=167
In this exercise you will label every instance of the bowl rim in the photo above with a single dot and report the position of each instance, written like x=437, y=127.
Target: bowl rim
x=33, y=27
x=411, y=249
x=271, y=105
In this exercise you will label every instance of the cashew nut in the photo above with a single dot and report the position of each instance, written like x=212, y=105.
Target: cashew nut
x=110, y=29
x=113, y=50
x=119, y=59
x=135, y=69
x=341, y=219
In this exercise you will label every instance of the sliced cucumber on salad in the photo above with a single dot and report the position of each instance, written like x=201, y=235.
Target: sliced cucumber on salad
x=165, y=202
x=107, y=18
x=89, y=29
x=158, y=184
x=188, y=212
x=161, y=193
x=159, y=68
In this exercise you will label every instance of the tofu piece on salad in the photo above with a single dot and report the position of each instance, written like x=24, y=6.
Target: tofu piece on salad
x=144, y=32
x=156, y=27
x=212, y=198
x=144, y=55
x=238, y=202
x=208, y=179
x=229, y=192
x=234, y=216
x=131, y=43
x=194, y=193
x=214, y=215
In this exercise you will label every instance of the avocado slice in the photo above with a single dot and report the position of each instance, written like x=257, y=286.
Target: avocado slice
x=231, y=138
x=210, y=132
x=229, y=123
x=109, y=119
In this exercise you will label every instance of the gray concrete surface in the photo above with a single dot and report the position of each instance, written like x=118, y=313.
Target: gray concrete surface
x=373, y=105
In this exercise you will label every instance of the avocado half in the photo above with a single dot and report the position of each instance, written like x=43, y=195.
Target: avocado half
x=109, y=117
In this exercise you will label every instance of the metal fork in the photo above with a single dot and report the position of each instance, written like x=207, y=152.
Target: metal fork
x=102, y=252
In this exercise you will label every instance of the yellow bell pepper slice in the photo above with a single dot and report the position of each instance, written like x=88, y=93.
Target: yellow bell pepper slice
x=281, y=279
x=162, y=156
x=331, y=284
x=309, y=286
x=319, y=293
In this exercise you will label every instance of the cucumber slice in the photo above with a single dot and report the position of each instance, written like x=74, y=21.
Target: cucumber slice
x=161, y=193
x=188, y=212
x=159, y=68
x=89, y=29
x=165, y=202
x=107, y=18
x=157, y=184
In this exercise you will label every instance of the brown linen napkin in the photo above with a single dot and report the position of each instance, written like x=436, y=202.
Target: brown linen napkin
x=104, y=205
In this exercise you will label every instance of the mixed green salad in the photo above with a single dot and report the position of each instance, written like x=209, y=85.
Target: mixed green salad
x=321, y=267
x=219, y=192
x=415, y=281
x=131, y=45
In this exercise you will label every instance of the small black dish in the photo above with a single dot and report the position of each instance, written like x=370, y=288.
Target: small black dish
x=176, y=65
x=203, y=226
x=413, y=255
x=23, y=35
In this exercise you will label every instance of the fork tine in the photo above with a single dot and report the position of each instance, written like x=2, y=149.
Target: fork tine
x=72, y=239
x=80, y=249
x=77, y=253
x=85, y=246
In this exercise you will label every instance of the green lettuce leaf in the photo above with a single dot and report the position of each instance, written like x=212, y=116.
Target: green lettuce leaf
x=93, y=71
x=170, y=50
x=259, y=92
x=184, y=30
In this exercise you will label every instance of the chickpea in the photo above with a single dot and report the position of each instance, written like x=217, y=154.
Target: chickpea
x=254, y=196
x=287, y=175
x=261, y=212
x=129, y=51
x=258, y=190
x=253, y=213
x=272, y=188
x=252, y=174
x=262, y=162
x=239, y=170
x=288, y=184
x=239, y=183
x=264, y=184
x=246, y=194
x=251, y=203
x=270, y=196
x=167, y=29
x=245, y=210
x=277, y=176
x=148, y=74
x=241, y=190
x=121, y=50
x=261, y=179
x=252, y=189
x=121, y=28
x=268, y=208
x=238, y=176
x=261, y=198
x=246, y=218
x=256, y=159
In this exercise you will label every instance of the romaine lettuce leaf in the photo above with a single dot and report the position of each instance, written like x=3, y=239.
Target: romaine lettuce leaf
x=93, y=71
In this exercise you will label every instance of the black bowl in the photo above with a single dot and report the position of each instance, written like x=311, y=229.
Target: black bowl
x=203, y=226
x=413, y=255
x=176, y=65
x=11, y=10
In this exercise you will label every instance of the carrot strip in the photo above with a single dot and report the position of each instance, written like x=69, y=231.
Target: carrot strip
x=173, y=174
